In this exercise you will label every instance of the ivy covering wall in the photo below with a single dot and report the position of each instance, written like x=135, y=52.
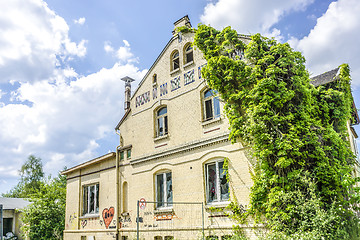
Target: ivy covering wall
x=303, y=177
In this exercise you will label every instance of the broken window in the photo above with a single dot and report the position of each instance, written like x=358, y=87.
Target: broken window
x=91, y=199
x=164, y=196
x=217, y=186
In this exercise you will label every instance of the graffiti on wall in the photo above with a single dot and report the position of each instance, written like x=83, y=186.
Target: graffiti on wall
x=83, y=223
x=164, y=217
x=108, y=215
x=72, y=222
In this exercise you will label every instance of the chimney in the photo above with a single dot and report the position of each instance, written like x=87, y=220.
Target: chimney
x=127, y=81
x=184, y=21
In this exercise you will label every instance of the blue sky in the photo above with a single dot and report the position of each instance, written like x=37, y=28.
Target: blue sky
x=61, y=62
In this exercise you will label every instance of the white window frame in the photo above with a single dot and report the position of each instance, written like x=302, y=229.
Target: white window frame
x=211, y=99
x=218, y=185
x=95, y=210
x=164, y=203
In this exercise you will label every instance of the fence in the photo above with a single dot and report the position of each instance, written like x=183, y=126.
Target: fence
x=177, y=220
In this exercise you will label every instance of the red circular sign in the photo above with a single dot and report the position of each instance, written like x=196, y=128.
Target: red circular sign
x=142, y=203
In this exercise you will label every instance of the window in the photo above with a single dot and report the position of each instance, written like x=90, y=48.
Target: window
x=175, y=61
x=154, y=79
x=7, y=225
x=168, y=238
x=217, y=186
x=128, y=154
x=125, y=197
x=161, y=122
x=211, y=105
x=91, y=199
x=164, y=196
x=158, y=238
x=121, y=155
x=189, y=57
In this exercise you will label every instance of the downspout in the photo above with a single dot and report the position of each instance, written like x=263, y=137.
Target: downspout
x=118, y=189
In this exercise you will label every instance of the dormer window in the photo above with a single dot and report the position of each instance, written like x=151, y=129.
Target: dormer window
x=175, y=62
x=189, y=57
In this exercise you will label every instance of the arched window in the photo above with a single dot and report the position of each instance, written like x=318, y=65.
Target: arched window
x=188, y=50
x=154, y=79
x=211, y=105
x=125, y=193
x=161, y=122
x=175, y=62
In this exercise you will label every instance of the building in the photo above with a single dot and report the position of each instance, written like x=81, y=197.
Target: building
x=168, y=170
x=12, y=215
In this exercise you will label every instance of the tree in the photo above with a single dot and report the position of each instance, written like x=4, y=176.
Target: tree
x=44, y=218
x=303, y=186
x=32, y=176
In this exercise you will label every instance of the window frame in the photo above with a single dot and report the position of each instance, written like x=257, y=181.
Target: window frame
x=213, y=99
x=87, y=204
x=187, y=52
x=218, y=179
x=175, y=58
x=164, y=204
x=163, y=117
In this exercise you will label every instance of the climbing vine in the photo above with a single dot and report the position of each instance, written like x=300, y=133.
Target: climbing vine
x=303, y=185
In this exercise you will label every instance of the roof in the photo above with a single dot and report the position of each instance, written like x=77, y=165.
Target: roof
x=88, y=163
x=13, y=203
x=331, y=76
x=123, y=118
x=325, y=78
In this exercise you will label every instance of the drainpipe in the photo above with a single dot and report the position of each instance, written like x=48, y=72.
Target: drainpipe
x=118, y=189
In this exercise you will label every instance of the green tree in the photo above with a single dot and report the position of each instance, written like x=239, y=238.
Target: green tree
x=44, y=218
x=303, y=186
x=32, y=176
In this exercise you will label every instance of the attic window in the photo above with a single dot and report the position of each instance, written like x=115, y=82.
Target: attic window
x=175, y=63
x=154, y=79
x=189, y=57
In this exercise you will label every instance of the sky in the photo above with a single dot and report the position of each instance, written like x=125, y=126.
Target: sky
x=61, y=62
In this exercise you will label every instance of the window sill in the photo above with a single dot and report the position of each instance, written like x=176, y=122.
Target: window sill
x=156, y=139
x=164, y=210
x=212, y=121
x=188, y=64
x=175, y=71
x=95, y=215
x=217, y=205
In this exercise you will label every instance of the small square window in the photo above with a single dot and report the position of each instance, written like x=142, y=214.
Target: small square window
x=128, y=154
x=121, y=155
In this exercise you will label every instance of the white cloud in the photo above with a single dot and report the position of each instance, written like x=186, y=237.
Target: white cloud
x=334, y=40
x=65, y=119
x=31, y=38
x=80, y=21
x=108, y=48
x=249, y=17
